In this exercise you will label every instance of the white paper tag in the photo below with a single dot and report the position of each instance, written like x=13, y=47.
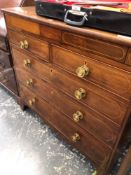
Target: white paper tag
x=76, y=8
x=124, y=37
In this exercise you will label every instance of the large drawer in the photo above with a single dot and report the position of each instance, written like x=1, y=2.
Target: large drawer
x=96, y=98
x=97, y=151
x=114, y=79
x=105, y=130
x=106, y=49
x=4, y=60
x=31, y=44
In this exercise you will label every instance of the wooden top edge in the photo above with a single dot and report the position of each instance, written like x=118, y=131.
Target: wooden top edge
x=29, y=13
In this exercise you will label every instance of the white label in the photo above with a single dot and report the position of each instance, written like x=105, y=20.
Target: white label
x=124, y=37
x=76, y=7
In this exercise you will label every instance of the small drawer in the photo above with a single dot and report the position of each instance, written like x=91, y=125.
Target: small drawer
x=83, y=116
x=50, y=33
x=111, y=78
x=4, y=60
x=109, y=50
x=8, y=80
x=22, y=24
x=97, y=151
x=31, y=44
x=95, y=97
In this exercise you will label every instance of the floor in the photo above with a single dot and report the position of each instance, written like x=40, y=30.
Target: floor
x=29, y=147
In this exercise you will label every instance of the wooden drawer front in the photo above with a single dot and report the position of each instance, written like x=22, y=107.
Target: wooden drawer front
x=22, y=24
x=4, y=60
x=128, y=60
x=107, y=76
x=50, y=33
x=115, y=52
x=35, y=66
x=97, y=151
x=105, y=130
x=8, y=80
x=96, y=98
x=35, y=46
x=3, y=43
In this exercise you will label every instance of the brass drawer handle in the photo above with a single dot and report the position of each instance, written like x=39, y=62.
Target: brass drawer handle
x=75, y=137
x=27, y=63
x=82, y=71
x=24, y=44
x=77, y=116
x=21, y=44
x=32, y=102
x=29, y=82
x=80, y=93
x=94, y=173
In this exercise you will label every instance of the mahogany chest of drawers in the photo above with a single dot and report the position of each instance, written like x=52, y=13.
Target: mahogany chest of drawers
x=77, y=79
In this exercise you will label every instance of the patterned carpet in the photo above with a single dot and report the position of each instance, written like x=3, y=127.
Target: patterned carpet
x=29, y=147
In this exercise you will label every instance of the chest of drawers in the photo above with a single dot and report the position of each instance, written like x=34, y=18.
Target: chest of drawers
x=78, y=80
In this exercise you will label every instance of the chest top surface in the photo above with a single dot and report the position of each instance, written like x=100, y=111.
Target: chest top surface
x=29, y=12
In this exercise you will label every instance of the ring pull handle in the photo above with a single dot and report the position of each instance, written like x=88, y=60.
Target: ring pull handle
x=82, y=71
x=75, y=137
x=29, y=82
x=80, y=93
x=27, y=63
x=77, y=116
x=94, y=173
x=21, y=44
x=32, y=102
x=24, y=44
